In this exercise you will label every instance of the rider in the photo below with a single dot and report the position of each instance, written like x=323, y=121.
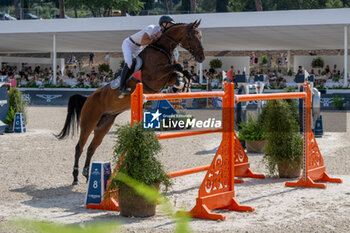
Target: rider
x=133, y=45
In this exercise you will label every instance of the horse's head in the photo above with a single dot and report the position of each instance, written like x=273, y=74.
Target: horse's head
x=193, y=41
x=189, y=38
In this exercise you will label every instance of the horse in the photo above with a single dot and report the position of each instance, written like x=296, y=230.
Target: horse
x=98, y=111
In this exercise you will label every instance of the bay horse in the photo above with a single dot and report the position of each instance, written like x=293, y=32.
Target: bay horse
x=98, y=111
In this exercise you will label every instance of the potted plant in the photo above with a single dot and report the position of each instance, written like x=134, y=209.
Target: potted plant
x=264, y=60
x=103, y=68
x=215, y=63
x=17, y=105
x=135, y=155
x=317, y=63
x=283, y=150
x=10, y=118
x=253, y=135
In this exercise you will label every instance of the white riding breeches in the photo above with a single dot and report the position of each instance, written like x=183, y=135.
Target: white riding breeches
x=130, y=50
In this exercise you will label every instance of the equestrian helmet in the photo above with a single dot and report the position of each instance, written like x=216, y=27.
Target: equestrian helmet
x=166, y=19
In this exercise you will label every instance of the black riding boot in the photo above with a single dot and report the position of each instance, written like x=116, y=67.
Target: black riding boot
x=123, y=78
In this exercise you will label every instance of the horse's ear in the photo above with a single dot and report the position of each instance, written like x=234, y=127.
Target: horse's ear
x=195, y=24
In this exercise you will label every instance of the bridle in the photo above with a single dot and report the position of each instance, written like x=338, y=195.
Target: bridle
x=190, y=38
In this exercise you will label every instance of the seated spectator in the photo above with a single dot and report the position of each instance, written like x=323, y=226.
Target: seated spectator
x=327, y=70
x=24, y=80
x=334, y=69
x=194, y=74
x=75, y=71
x=210, y=78
x=205, y=75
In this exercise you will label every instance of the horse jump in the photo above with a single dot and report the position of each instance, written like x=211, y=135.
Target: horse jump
x=217, y=188
x=97, y=112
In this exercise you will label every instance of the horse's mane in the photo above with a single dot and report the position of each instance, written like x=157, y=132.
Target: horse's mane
x=174, y=25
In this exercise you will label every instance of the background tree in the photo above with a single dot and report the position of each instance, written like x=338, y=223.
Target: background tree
x=166, y=7
x=185, y=5
x=148, y=4
x=258, y=5
x=234, y=5
x=221, y=6
x=4, y=3
x=193, y=6
x=128, y=6
x=208, y=5
x=75, y=5
x=334, y=4
x=170, y=5
x=62, y=8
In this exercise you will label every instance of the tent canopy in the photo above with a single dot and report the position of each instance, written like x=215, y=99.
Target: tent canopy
x=271, y=30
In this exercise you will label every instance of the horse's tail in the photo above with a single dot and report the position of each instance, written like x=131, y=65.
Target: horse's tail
x=75, y=104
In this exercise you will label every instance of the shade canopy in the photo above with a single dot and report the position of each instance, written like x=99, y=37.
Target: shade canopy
x=271, y=30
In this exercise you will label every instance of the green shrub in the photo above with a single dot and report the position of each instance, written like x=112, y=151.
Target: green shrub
x=264, y=59
x=10, y=116
x=135, y=155
x=215, y=63
x=336, y=77
x=17, y=102
x=104, y=68
x=317, y=63
x=282, y=133
x=252, y=130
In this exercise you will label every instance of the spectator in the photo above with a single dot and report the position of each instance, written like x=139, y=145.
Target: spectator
x=24, y=80
x=194, y=74
x=327, y=70
x=334, y=69
x=230, y=74
x=91, y=59
x=75, y=71
x=205, y=71
x=210, y=77
x=300, y=70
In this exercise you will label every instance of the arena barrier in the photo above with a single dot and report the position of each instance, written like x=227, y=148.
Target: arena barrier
x=217, y=188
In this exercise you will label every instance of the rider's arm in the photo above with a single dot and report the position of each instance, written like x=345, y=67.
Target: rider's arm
x=146, y=39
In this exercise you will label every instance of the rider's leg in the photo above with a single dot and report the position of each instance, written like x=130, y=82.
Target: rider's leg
x=123, y=77
x=127, y=51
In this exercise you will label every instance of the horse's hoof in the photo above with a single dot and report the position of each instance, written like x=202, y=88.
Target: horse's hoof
x=75, y=182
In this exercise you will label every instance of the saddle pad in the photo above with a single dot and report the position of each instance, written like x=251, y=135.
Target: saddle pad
x=115, y=83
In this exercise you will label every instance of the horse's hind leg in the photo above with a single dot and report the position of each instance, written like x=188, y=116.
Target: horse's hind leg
x=84, y=135
x=100, y=131
x=87, y=125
